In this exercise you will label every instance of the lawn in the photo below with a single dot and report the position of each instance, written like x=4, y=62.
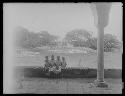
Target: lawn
x=36, y=57
x=65, y=86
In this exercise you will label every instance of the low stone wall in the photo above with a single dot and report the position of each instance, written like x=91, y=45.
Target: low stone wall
x=66, y=73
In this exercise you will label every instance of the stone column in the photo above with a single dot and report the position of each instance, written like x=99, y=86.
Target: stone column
x=100, y=59
x=101, y=14
x=100, y=54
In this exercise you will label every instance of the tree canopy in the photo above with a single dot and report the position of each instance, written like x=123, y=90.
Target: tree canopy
x=77, y=37
x=27, y=39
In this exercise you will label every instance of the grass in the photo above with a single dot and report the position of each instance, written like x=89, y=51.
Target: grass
x=66, y=86
x=112, y=60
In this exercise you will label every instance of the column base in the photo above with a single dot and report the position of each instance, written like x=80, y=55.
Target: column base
x=101, y=84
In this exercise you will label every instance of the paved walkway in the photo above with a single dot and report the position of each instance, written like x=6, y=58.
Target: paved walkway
x=66, y=86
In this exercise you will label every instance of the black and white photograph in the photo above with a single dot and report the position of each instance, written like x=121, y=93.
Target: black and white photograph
x=62, y=48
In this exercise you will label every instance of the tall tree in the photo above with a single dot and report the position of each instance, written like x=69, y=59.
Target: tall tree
x=77, y=37
x=47, y=39
x=21, y=36
x=111, y=42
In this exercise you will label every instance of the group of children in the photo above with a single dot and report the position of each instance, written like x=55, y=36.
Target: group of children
x=55, y=65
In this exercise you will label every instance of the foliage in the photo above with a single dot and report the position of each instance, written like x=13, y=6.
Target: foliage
x=27, y=39
x=111, y=43
x=21, y=36
x=77, y=37
x=92, y=43
x=47, y=39
x=82, y=38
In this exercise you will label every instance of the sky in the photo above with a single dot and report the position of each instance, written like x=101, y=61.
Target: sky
x=59, y=18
